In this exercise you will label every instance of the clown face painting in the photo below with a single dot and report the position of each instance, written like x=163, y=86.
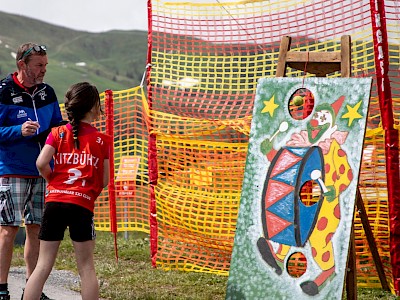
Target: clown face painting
x=322, y=123
x=297, y=204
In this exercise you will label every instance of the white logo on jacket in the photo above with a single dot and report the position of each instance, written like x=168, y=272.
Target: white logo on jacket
x=21, y=114
x=42, y=95
x=17, y=99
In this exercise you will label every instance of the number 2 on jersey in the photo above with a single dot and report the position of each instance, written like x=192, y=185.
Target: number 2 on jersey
x=74, y=175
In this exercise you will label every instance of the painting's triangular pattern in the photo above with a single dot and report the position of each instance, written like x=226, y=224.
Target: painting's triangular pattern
x=288, y=175
x=275, y=224
x=276, y=190
x=286, y=159
x=283, y=208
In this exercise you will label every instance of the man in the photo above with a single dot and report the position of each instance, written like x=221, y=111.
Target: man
x=28, y=108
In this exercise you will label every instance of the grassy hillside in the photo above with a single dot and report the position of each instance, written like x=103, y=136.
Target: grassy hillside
x=112, y=60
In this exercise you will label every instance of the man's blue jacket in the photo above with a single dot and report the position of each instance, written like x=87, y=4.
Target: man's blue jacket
x=18, y=154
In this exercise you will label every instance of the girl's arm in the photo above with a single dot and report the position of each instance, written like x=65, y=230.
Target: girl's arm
x=106, y=174
x=43, y=161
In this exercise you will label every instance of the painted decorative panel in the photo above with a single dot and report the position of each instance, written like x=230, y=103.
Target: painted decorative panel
x=297, y=203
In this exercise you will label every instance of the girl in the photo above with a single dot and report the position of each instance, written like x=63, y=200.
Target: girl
x=81, y=170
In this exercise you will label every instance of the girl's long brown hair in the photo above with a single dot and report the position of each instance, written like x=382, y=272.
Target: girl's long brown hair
x=79, y=100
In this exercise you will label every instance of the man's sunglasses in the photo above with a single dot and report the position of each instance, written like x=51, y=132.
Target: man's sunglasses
x=35, y=48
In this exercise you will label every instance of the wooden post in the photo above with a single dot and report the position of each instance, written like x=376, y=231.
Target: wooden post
x=371, y=241
x=351, y=274
x=283, y=49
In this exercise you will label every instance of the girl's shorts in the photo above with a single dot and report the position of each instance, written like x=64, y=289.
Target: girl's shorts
x=58, y=216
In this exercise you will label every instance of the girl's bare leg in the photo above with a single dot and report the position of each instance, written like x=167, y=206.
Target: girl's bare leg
x=84, y=259
x=47, y=256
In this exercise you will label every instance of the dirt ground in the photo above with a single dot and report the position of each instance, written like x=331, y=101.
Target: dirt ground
x=59, y=285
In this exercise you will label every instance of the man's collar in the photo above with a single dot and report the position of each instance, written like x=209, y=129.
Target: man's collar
x=29, y=90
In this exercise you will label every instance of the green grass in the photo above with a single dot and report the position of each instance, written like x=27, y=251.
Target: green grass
x=133, y=277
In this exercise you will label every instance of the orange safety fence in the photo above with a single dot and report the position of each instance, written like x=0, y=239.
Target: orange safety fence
x=206, y=58
x=130, y=158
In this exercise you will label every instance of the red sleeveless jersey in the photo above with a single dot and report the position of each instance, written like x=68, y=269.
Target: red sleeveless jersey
x=78, y=173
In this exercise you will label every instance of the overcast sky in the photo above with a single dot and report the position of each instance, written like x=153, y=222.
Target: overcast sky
x=86, y=15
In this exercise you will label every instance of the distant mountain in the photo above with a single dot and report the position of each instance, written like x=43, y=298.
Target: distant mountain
x=111, y=60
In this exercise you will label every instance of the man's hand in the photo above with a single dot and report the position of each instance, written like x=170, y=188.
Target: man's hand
x=29, y=128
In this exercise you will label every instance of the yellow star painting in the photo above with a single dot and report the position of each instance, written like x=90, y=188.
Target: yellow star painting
x=352, y=113
x=270, y=106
